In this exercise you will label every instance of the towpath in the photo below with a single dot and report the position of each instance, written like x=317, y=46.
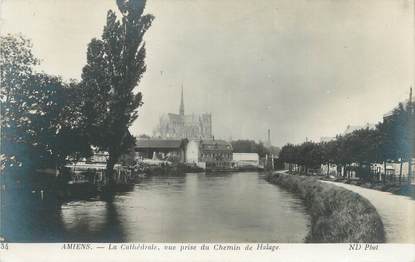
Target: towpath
x=397, y=212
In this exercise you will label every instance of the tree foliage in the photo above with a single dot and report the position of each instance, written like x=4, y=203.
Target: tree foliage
x=391, y=141
x=115, y=65
x=249, y=146
x=41, y=121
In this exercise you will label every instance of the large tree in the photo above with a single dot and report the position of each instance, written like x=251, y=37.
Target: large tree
x=16, y=68
x=329, y=153
x=397, y=136
x=41, y=120
x=249, y=146
x=115, y=65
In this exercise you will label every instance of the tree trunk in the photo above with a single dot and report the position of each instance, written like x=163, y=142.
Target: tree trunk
x=110, y=171
x=409, y=169
x=400, y=171
x=345, y=171
x=349, y=173
x=369, y=172
x=328, y=169
x=384, y=172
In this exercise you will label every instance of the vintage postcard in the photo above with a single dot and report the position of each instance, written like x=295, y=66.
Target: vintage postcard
x=207, y=130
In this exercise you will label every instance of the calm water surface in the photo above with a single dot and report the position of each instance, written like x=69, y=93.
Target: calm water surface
x=232, y=207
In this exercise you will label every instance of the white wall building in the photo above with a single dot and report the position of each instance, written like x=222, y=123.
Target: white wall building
x=209, y=154
x=246, y=159
x=192, y=152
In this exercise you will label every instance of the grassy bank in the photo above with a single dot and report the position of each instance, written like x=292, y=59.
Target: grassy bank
x=337, y=215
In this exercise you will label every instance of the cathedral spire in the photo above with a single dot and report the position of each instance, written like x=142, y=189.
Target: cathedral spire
x=181, y=111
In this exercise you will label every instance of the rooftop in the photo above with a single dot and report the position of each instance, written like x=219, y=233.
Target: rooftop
x=215, y=145
x=160, y=143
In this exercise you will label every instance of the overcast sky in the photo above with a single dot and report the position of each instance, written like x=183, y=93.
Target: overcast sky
x=301, y=68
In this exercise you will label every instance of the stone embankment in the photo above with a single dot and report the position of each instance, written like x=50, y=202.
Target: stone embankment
x=337, y=215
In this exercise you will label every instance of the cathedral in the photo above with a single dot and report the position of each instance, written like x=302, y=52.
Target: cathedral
x=184, y=126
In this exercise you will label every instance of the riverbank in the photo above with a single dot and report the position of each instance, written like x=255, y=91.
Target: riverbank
x=181, y=169
x=396, y=211
x=165, y=170
x=337, y=215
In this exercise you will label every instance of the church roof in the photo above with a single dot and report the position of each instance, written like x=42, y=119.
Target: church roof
x=174, y=116
x=160, y=143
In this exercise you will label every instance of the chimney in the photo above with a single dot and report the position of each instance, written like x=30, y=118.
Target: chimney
x=269, y=135
x=269, y=138
x=181, y=109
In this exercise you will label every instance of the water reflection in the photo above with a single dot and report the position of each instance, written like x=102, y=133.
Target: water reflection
x=223, y=207
x=95, y=221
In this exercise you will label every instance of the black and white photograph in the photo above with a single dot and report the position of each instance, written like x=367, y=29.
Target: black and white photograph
x=217, y=122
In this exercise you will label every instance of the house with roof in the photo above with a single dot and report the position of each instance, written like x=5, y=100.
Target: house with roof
x=173, y=150
x=209, y=154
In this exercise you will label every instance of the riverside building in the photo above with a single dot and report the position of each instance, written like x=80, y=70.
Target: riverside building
x=209, y=154
x=163, y=149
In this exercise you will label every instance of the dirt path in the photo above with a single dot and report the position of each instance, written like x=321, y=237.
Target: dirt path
x=397, y=212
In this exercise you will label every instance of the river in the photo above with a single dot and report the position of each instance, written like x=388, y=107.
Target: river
x=228, y=207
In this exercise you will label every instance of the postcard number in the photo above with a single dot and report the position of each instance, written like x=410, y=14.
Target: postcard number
x=4, y=246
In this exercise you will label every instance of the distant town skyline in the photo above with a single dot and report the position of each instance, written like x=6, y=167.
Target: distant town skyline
x=302, y=69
